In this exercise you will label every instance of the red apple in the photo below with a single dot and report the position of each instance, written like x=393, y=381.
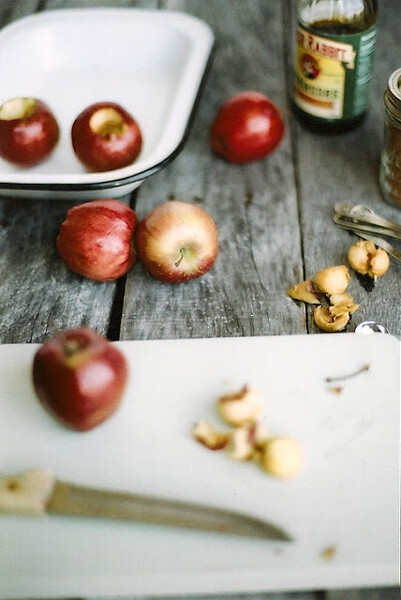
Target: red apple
x=177, y=241
x=105, y=137
x=96, y=239
x=247, y=127
x=28, y=131
x=79, y=377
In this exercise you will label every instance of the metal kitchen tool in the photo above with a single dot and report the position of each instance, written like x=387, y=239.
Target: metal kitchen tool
x=368, y=229
x=366, y=235
x=38, y=492
x=364, y=217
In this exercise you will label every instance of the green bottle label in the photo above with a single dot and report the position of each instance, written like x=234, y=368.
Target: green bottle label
x=333, y=73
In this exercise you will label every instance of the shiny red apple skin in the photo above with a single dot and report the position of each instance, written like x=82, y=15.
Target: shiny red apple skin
x=79, y=377
x=96, y=239
x=100, y=153
x=177, y=242
x=29, y=140
x=247, y=127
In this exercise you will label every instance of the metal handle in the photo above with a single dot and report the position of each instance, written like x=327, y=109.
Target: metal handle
x=357, y=226
x=359, y=214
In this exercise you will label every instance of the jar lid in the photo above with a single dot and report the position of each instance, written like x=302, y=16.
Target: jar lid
x=394, y=84
x=392, y=97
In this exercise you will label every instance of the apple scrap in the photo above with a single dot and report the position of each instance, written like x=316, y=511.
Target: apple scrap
x=365, y=258
x=279, y=455
x=329, y=286
x=328, y=553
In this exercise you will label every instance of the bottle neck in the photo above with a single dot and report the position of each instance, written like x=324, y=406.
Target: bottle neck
x=342, y=16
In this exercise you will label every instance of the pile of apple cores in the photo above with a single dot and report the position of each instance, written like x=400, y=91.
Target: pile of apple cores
x=327, y=288
x=281, y=456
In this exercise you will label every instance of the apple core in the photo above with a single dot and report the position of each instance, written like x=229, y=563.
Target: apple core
x=17, y=108
x=106, y=122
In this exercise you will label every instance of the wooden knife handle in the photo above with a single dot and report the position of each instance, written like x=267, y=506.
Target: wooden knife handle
x=27, y=493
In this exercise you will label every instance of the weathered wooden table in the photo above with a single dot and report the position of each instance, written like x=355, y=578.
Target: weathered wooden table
x=274, y=216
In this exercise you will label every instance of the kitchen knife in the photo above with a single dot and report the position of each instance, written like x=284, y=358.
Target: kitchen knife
x=39, y=492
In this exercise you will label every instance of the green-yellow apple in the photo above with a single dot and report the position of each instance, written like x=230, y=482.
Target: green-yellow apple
x=177, y=241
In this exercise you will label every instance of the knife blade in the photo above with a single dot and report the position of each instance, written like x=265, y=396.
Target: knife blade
x=39, y=492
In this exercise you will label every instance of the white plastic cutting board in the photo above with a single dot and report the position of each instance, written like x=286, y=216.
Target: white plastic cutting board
x=345, y=498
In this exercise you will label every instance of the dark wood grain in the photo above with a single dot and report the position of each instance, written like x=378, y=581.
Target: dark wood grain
x=10, y=10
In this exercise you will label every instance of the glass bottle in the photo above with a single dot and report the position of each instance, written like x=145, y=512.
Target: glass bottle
x=390, y=166
x=333, y=63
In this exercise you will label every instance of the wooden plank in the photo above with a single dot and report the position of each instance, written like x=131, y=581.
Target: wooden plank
x=55, y=4
x=254, y=205
x=10, y=10
x=251, y=596
x=390, y=593
x=345, y=168
x=38, y=295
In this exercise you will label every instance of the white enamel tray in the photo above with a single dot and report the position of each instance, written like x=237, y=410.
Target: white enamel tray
x=345, y=498
x=151, y=62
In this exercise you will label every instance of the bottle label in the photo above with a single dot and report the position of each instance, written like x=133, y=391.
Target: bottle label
x=333, y=73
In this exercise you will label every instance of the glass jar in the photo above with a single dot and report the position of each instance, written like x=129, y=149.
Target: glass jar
x=333, y=63
x=390, y=167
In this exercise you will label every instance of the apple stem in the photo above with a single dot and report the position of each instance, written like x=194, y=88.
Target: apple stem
x=178, y=262
x=71, y=347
